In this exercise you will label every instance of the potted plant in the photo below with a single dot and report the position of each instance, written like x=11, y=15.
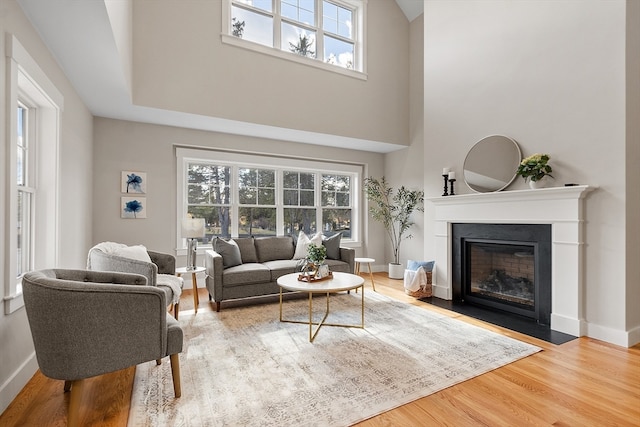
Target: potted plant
x=393, y=209
x=315, y=259
x=535, y=168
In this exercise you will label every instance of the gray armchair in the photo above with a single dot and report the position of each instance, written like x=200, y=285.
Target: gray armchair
x=88, y=323
x=160, y=272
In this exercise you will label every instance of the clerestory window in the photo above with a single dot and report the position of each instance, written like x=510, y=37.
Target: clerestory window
x=328, y=31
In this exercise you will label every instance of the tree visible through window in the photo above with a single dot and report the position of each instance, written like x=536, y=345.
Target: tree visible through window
x=239, y=201
x=319, y=29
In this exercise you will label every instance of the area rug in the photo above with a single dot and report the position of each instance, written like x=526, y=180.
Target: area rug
x=242, y=367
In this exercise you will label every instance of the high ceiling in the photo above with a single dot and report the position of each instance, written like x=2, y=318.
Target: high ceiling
x=93, y=65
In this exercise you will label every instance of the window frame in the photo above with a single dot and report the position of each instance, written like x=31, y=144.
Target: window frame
x=186, y=155
x=28, y=84
x=359, y=8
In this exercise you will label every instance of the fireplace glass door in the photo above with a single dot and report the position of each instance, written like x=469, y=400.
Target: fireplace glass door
x=501, y=275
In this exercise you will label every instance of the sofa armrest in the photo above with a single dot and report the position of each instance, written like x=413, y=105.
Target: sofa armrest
x=166, y=262
x=348, y=255
x=214, y=267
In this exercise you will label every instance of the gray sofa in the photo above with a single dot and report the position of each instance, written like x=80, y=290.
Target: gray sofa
x=263, y=260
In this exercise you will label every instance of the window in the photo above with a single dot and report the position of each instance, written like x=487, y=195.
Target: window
x=32, y=172
x=328, y=31
x=25, y=191
x=245, y=195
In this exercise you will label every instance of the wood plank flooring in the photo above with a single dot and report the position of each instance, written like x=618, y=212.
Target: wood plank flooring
x=584, y=382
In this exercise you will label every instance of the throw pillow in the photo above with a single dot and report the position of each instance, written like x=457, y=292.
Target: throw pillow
x=229, y=251
x=137, y=252
x=332, y=243
x=415, y=265
x=247, y=249
x=302, y=245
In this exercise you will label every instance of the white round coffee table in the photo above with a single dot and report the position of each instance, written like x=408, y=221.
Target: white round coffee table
x=339, y=282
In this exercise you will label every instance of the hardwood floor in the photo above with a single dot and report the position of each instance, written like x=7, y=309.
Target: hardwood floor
x=580, y=383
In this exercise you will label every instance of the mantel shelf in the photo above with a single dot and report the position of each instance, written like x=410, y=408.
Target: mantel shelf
x=551, y=193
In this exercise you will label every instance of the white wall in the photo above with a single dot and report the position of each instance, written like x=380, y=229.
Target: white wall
x=177, y=47
x=75, y=210
x=122, y=145
x=551, y=75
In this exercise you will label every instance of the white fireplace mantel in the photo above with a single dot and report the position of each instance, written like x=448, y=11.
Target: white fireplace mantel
x=562, y=207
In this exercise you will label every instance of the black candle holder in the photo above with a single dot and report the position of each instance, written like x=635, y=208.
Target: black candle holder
x=446, y=191
x=451, y=181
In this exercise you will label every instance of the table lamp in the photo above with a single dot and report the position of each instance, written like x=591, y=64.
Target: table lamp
x=192, y=229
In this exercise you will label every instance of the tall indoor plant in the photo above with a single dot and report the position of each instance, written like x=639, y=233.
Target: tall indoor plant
x=393, y=209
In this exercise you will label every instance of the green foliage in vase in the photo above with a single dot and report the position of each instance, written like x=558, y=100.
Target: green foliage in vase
x=317, y=254
x=393, y=210
x=535, y=167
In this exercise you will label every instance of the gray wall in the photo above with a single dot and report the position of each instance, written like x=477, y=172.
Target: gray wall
x=122, y=145
x=177, y=47
x=407, y=166
x=553, y=76
x=75, y=207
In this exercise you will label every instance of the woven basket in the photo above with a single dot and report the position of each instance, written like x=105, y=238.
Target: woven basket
x=425, y=291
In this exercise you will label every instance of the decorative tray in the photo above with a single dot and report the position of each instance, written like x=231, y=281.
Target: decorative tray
x=303, y=278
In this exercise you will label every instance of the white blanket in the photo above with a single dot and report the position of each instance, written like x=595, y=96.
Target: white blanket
x=174, y=282
x=414, y=280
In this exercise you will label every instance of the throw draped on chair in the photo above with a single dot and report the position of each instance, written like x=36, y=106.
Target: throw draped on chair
x=88, y=323
x=157, y=267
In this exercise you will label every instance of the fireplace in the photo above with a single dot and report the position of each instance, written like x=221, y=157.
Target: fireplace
x=505, y=267
x=560, y=208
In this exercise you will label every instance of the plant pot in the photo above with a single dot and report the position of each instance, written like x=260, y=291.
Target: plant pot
x=541, y=183
x=396, y=271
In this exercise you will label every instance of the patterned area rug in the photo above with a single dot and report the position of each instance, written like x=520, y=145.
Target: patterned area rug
x=242, y=367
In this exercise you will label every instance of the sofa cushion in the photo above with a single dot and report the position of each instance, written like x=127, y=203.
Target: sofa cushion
x=281, y=267
x=272, y=248
x=246, y=274
x=247, y=249
x=229, y=251
x=303, y=242
x=332, y=243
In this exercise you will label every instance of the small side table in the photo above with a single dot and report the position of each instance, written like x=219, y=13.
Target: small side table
x=367, y=261
x=184, y=270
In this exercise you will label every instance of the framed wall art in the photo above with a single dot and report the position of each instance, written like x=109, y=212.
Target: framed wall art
x=134, y=182
x=133, y=207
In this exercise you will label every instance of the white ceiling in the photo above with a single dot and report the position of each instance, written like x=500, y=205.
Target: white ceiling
x=79, y=35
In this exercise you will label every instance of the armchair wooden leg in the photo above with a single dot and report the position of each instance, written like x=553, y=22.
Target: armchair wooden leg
x=73, y=416
x=217, y=305
x=175, y=373
x=176, y=310
x=158, y=361
x=67, y=385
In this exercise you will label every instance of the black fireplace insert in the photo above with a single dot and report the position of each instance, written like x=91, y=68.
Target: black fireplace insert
x=505, y=267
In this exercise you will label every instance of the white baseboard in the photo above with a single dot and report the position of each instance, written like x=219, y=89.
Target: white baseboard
x=16, y=382
x=613, y=336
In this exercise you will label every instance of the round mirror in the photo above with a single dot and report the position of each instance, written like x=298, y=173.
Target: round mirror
x=491, y=164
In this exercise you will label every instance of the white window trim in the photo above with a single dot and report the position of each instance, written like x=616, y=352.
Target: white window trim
x=26, y=79
x=185, y=155
x=361, y=42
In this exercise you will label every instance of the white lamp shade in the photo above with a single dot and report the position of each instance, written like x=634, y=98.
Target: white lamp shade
x=193, y=228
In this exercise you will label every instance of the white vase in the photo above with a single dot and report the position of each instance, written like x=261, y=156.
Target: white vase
x=396, y=271
x=541, y=183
